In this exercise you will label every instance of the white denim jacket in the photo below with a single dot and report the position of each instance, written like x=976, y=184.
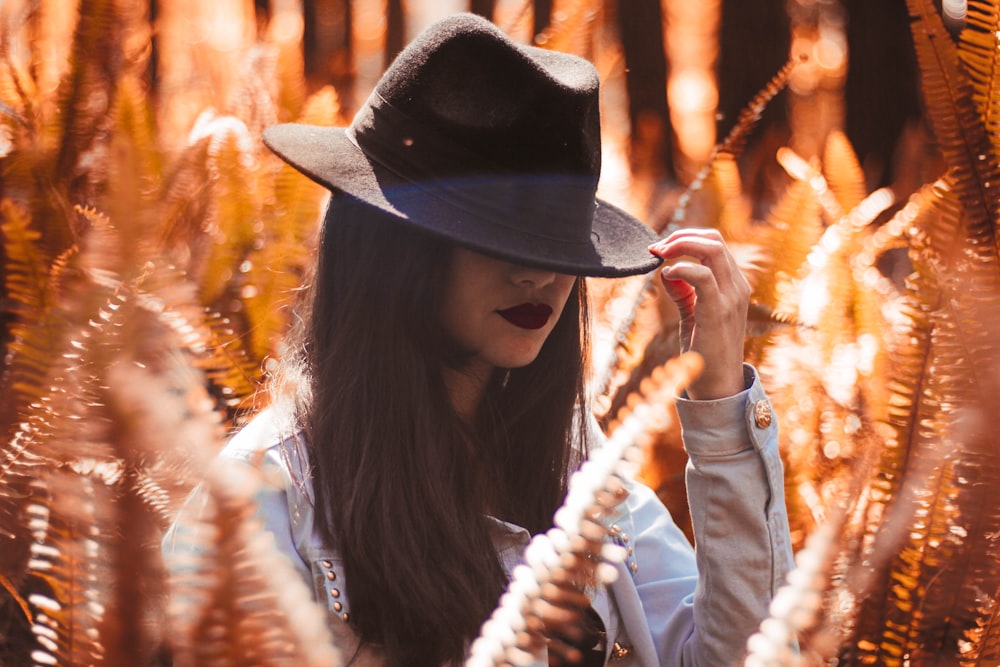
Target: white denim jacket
x=671, y=604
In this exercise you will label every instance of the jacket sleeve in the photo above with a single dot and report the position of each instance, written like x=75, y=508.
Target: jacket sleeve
x=736, y=492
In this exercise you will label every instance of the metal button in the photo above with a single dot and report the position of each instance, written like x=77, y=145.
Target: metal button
x=346, y=617
x=334, y=592
x=331, y=575
x=619, y=652
x=634, y=567
x=337, y=606
x=327, y=564
x=762, y=414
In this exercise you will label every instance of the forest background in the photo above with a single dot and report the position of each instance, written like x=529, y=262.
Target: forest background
x=152, y=249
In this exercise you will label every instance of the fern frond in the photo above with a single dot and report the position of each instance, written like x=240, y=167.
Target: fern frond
x=135, y=169
x=92, y=79
x=843, y=171
x=210, y=340
x=25, y=276
x=798, y=168
x=794, y=227
x=234, y=223
x=956, y=121
x=789, y=635
x=234, y=598
x=68, y=556
x=28, y=281
x=977, y=47
x=734, y=211
x=823, y=373
x=608, y=363
x=933, y=551
x=763, y=319
x=184, y=201
x=563, y=561
x=276, y=266
x=736, y=139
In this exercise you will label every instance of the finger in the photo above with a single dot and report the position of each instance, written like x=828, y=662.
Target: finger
x=710, y=251
x=564, y=596
x=691, y=283
x=707, y=240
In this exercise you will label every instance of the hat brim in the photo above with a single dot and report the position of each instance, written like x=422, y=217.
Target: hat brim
x=618, y=244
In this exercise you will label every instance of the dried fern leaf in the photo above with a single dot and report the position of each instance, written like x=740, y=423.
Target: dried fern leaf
x=793, y=635
x=935, y=212
x=135, y=170
x=67, y=556
x=734, y=210
x=563, y=562
x=28, y=281
x=86, y=93
x=977, y=47
x=800, y=169
x=794, y=227
x=276, y=266
x=608, y=364
x=254, y=102
x=843, y=171
x=762, y=319
x=956, y=121
x=233, y=226
x=736, y=139
x=934, y=516
x=823, y=374
x=19, y=467
x=210, y=339
x=184, y=200
x=234, y=598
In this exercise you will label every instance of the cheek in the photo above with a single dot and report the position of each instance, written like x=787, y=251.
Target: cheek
x=565, y=285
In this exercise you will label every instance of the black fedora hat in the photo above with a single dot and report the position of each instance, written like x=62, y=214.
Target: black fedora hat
x=491, y=144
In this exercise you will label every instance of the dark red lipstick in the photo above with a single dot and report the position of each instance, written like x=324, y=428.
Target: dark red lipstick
x=527, y=315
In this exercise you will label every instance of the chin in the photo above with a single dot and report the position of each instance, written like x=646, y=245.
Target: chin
x=518, y=360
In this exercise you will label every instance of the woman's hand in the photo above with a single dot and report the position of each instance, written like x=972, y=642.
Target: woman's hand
x=702, y=279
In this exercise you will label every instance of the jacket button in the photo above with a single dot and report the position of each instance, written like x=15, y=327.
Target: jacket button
x=762, y=414
x=334, y=592
x=619, y=652
x=337, y=606
x=331, y=575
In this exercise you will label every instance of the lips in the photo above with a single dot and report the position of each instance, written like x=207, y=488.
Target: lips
x=527, y=315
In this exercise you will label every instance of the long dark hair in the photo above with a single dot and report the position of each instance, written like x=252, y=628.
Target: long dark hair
x=402, y=484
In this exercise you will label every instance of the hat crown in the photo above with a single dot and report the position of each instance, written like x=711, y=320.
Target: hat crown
x=492, y=145
x=518, y=109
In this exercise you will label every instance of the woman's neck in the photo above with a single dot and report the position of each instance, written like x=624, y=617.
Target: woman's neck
x=466, y=387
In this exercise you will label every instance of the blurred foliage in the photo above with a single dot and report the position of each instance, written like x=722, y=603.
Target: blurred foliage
x=146, y=281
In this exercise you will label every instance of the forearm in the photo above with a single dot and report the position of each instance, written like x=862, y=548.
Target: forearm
x=736, y=493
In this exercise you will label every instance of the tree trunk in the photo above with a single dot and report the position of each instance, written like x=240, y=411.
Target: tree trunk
x=395, y=30
x=541, y=16
x=651, y=141
x=327, y=47
x=882, y=94
x=483, y=7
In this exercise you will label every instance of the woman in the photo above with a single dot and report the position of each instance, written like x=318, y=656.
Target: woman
x=430, y=406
